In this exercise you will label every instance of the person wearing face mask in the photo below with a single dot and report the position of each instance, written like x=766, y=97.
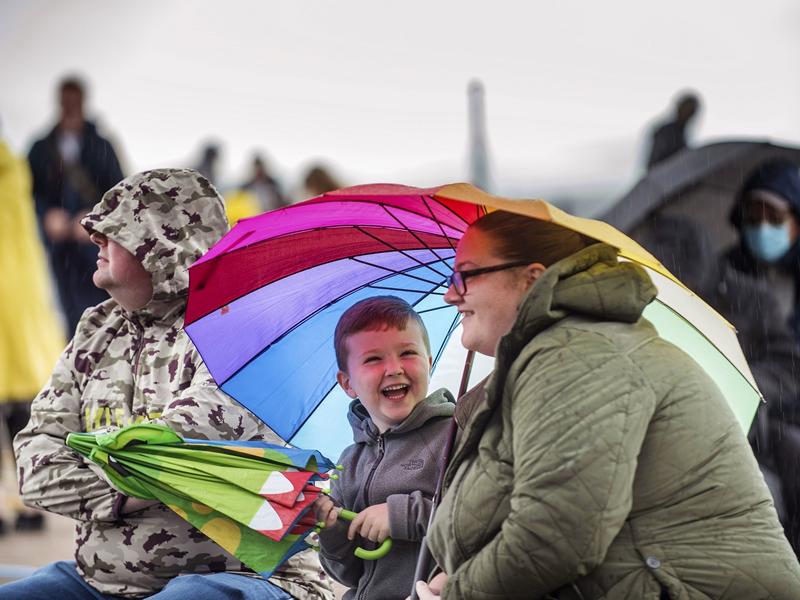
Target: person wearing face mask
x=767, y=215
x=756, y=287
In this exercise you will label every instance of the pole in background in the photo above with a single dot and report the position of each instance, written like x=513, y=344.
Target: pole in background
x=479, y=174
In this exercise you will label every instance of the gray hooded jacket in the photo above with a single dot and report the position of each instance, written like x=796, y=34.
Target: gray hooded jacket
x=400, y=468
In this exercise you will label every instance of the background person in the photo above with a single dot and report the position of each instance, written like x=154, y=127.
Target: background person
x=760, y=294
x=72, y=166
x=601, y=461
x=767, y=216
x=264, y=186
x=30, y=335
x=669, y=137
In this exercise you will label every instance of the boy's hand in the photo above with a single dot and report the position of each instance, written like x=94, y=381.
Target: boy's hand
x=371, y=523
x=325, y=510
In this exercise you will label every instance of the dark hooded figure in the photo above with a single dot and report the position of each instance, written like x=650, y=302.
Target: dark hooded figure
x=767, y=215
x=754, y=286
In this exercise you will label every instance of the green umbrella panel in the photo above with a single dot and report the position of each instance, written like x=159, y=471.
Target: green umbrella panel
x=684, y=319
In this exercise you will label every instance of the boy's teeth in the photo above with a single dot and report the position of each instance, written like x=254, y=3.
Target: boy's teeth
x=394, y=388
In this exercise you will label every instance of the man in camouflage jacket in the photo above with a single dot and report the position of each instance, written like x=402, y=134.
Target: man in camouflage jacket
x=130, y=361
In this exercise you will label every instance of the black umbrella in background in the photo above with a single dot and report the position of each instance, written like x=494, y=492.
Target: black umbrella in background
x=698, y=183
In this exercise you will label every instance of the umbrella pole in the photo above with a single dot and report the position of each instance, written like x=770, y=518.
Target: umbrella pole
x=424, y=557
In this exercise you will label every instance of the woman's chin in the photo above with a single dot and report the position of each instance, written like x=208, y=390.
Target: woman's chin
x=476, y=344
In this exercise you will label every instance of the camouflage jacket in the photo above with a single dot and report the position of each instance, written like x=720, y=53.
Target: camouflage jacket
x=123, y=367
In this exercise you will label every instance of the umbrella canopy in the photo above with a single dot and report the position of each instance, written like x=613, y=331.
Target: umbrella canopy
x=699, y=183
x=251, y=498
x=263, y=303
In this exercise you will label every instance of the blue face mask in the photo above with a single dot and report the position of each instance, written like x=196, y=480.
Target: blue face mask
x=768, y=242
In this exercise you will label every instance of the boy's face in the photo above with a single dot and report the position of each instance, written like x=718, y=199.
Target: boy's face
x=388, y=370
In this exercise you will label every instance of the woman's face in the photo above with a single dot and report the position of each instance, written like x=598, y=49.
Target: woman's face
x=489, y=306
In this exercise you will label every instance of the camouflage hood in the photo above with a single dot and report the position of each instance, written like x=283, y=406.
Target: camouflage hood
x=166, y=218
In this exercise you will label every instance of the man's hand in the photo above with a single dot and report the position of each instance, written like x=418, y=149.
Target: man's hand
x=57, y=224
x=133, y=505
x=371, y=523
x=79, y=233
x=325, y=510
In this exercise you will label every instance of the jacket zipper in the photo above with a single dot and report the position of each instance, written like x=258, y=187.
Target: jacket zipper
x=371, y=563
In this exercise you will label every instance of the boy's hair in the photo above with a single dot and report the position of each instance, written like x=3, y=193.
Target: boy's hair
x=373, y=314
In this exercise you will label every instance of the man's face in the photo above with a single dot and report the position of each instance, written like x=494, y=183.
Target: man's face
x=71, y=101
x=120, y=274
x=388, y=371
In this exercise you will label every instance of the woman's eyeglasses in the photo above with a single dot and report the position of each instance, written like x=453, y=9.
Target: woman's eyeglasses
x=458, y=279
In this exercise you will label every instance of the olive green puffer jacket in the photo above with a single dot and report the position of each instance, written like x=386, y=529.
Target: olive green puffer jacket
x=603, y=462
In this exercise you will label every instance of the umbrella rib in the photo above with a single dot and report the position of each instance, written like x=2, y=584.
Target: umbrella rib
x=396, y=289
x=403, y=252
x=449, y=332
x=427, y=310
x=450, y=210
x=453, y=327
x=396, y=272
x=435, y=220
x=413, y=233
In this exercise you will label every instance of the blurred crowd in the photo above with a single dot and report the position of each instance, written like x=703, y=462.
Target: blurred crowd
x=754, y=282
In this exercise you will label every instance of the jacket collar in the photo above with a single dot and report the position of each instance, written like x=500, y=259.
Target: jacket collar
x=438, y=404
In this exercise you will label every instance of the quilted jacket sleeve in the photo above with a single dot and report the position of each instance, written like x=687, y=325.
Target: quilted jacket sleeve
x=51, y=475
x=577, y=416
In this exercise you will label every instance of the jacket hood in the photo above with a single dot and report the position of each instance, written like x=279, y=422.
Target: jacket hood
x=591, y=282
x=166, y=218
x=781, y=177
x=438, y=404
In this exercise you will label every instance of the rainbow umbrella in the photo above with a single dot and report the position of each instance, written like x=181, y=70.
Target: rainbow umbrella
x=264, y=301
x=251, y=498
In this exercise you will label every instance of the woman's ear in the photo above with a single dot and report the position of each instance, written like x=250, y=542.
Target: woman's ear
x=533, y=271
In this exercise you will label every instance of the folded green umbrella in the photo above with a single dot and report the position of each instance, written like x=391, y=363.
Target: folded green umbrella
x=251, y=498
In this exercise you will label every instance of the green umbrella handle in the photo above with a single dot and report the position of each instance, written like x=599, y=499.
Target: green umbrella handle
x=379, y=552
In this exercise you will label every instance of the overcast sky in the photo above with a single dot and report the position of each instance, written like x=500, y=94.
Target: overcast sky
x=378, y=89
